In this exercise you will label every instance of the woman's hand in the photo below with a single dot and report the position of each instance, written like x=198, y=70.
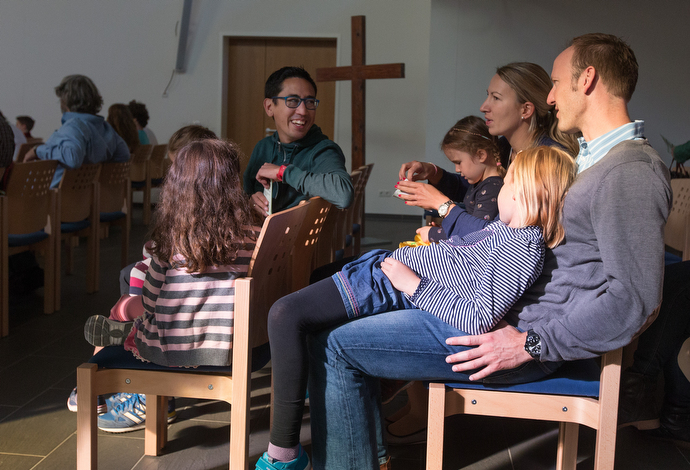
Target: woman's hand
x=415, y=171
x=402, y=277
x=421, y=195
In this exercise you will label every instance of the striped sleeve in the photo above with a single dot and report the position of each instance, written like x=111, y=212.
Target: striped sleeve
x=512, y=267
x=155, y=277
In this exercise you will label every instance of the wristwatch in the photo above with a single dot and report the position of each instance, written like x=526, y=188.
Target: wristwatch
x=533, y=344
x=443, y=208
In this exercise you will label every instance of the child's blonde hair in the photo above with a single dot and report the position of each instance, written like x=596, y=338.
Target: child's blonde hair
x=470, y=134
x=541, y=178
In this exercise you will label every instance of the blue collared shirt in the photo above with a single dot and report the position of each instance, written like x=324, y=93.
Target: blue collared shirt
x=593, y=151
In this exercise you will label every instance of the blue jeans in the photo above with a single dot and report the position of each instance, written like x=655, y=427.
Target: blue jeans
x=343, y=391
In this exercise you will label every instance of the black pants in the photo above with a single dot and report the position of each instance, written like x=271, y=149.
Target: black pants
x=290, y=320
x=660, y=344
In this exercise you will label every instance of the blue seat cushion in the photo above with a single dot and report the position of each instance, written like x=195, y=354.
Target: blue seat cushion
x=69, y=227
x=356, y=228
x=138, y=184
x=116, y=357
x=157, y=181
x=579, y=378
x=670, y=258
x=110, y=216
x=26, y=238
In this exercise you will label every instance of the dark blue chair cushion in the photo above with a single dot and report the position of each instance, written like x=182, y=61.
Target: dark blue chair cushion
x=138, y=184
x=115, y=357
x=69, y=227
x=157, y=181
x=580, y=378
x=356, y=228
x=110, y=216
x=26, y=238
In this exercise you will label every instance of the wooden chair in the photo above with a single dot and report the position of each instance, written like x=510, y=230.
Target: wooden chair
x=23, y=150
x=677, y=231
x=580, y=392
x=139, y=171
x=155, y=173
x=304, y=252
x=28, y=221
x=78, y=215
x=269, y=280
x=115, y=204
x=358, y=209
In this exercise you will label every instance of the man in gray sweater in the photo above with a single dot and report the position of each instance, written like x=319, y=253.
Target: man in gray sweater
x=598, y=288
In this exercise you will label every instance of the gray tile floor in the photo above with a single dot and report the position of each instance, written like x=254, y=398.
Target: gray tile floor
x=37, y=372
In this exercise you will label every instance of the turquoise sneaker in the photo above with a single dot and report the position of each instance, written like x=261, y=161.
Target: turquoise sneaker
x=300, y=463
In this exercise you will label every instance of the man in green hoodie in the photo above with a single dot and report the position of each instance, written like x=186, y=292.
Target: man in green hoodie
x=300, y=160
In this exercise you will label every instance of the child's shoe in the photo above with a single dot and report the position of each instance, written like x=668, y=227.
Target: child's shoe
x=102, y=331
x=300, y=463
x=130, y=415
x=72, y=403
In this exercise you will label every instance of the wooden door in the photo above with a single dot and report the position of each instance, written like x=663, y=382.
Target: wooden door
x=250, y=61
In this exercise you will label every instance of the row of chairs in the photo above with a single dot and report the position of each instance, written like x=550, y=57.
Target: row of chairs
x=286, y=244
x=149, y=166
x=579, y=393
x=34, y=217
x=345, y=226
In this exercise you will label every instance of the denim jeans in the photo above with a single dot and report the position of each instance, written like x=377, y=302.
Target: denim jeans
x=343, y=391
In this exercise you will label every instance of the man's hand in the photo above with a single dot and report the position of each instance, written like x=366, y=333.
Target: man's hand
x=259, y=203
x=402, y=277
x=31, y=155
x=267, y=173
x=500, y=349
x=421, y=195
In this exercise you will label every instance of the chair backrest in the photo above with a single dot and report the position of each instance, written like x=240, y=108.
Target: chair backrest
x=139, y=162
x=23, y=150
x=157, y=165
x=270, y=266
x=358, y=209
x=76, y=190
x=29, y=197
x=307, y=240
x=677, y=231
x=114, y=182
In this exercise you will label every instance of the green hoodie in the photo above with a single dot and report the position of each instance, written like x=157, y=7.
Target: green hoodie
x=316, y=167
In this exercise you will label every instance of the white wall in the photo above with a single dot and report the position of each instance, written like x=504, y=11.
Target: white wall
x=450, y=48
x=470, y=39
x=129, y=49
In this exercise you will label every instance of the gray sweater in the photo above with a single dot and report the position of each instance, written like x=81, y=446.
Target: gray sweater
x=600, y=285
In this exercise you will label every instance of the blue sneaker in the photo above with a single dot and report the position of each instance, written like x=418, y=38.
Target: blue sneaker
x=300, y=463
x=72, y=403
x=130, y=415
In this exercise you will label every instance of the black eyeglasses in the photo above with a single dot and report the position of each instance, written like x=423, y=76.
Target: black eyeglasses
x=294, y=101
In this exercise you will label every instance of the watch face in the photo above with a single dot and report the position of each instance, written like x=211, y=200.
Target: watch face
x=443, y=210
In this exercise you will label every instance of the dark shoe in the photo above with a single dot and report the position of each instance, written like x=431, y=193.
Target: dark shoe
x=637, y=405
x=674, y=427
x=391, y=388
x=102, y=331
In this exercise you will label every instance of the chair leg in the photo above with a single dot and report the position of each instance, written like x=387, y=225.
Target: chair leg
x=87, y=432
x=435, y=428
x=156, y=432
x=566, y=457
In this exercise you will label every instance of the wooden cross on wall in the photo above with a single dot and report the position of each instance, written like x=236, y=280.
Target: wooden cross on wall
x=358, y=73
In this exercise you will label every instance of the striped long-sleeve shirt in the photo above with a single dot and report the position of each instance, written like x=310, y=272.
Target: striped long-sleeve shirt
x=471, y=282
x=188, y=319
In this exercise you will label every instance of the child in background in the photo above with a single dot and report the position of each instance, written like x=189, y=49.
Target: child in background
x=25, y=124
x=468, y=282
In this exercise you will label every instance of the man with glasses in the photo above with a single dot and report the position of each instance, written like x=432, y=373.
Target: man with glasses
x=298, y=158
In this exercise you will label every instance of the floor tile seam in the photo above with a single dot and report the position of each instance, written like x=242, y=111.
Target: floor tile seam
x=19, y=454
x=54, y=449
x=682, y=454
x=12, y=413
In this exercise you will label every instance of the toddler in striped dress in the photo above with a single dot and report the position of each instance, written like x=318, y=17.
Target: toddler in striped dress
x=469, y=282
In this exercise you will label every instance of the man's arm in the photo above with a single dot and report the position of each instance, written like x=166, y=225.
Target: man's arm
x=67, y=145
x=327, y=178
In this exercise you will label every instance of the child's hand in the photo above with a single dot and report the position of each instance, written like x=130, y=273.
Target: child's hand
x=423, y=232
x=402, y=277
